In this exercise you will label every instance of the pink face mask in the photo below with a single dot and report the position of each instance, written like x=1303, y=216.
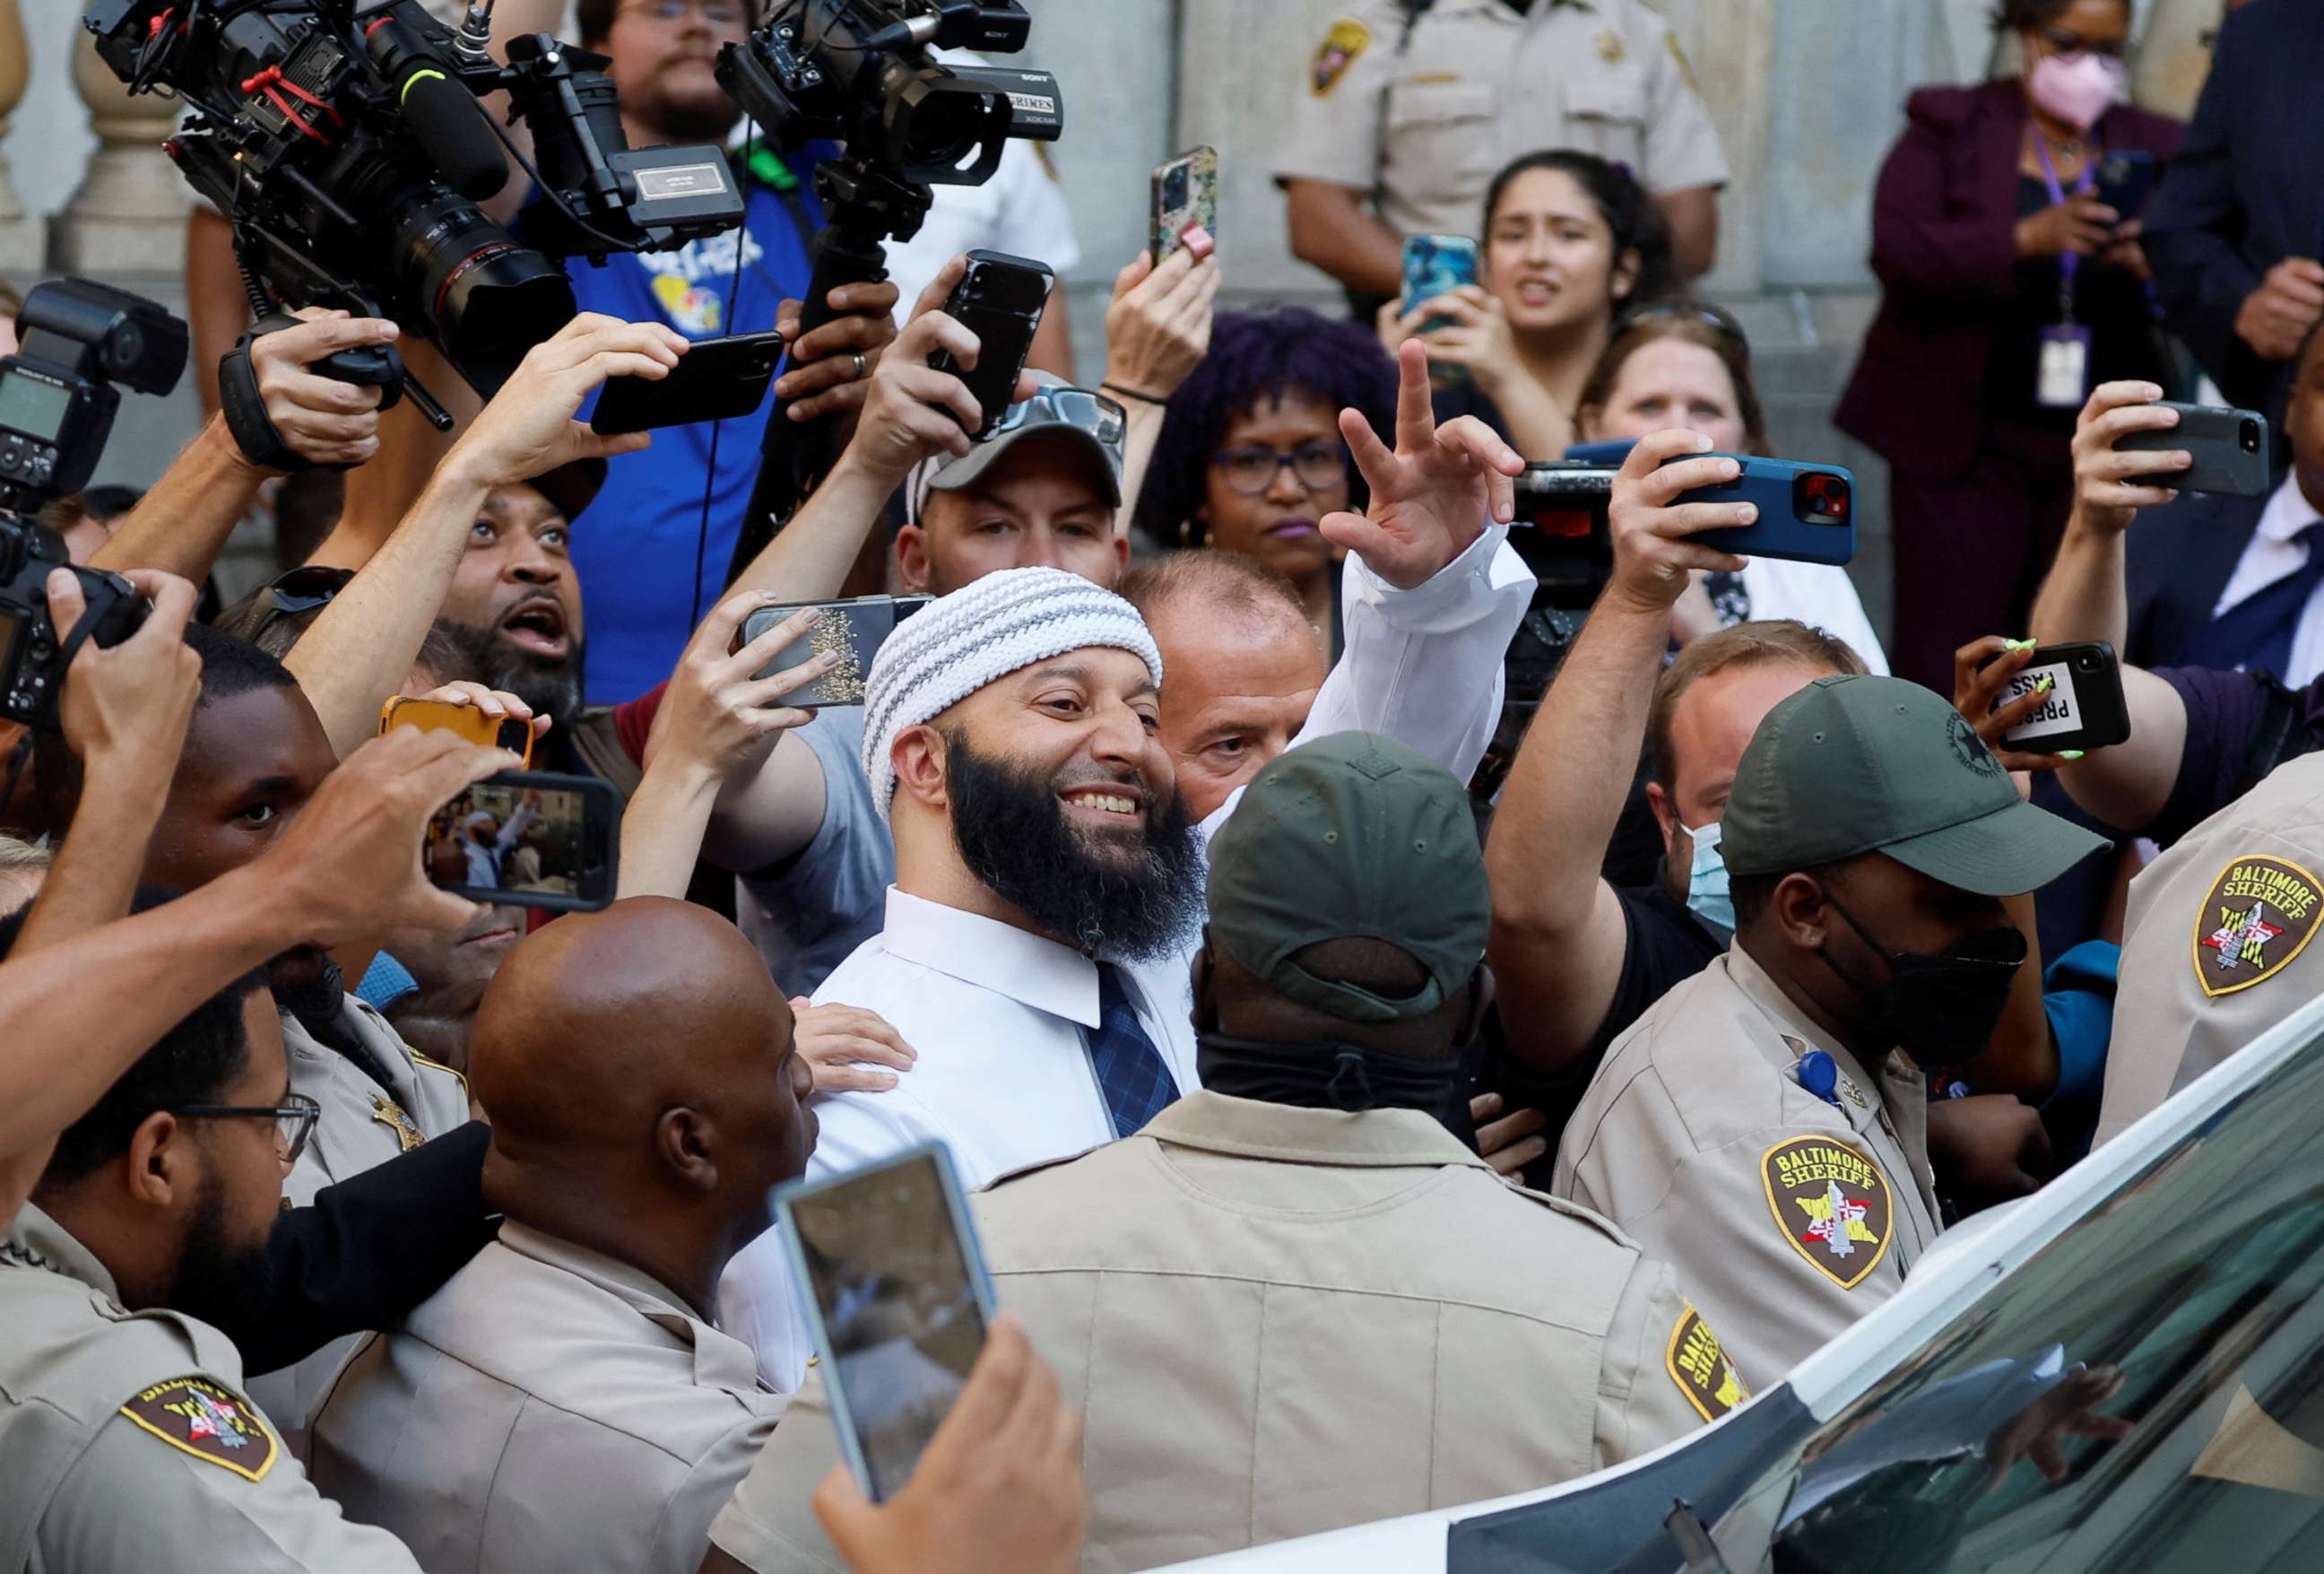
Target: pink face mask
x=2075, y=89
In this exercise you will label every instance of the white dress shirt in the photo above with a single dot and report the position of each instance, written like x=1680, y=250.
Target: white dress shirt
x=2272, y=554
x=998, y=1014
x=1821, y=595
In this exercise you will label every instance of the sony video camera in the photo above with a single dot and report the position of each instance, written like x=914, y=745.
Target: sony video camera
x=57, y=403
x=349, y=153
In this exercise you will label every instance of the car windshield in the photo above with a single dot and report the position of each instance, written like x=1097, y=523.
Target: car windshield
x=2186, y=1307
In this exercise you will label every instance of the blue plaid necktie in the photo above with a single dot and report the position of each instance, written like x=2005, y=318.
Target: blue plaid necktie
x=2256, y=633
x=1130, y=1072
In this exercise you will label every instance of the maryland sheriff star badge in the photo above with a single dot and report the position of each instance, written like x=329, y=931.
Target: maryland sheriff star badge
x=1832, y=1203
x=2259, y=914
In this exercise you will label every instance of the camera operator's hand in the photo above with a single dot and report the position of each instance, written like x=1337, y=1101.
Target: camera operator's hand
x=1981, y=672
x=124, y=709
x=1158, y=327
x=324, y=421
x=912, y=411
x=2079, y=226
x=716, y=714
x=1653, y=558
x=349, y=863
x=831, y=368
x=528, y=427
x=1431, y=496
x=998, y=1490
x=2108, y=492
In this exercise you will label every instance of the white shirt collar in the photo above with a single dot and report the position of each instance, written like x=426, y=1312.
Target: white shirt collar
x=984, y=952
x=2288, y=512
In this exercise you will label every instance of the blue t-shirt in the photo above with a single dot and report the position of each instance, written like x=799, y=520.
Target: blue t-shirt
x=635, y=551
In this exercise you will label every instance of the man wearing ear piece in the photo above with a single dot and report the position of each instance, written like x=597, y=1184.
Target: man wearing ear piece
x=1759, y=1123
x=1301, y=1251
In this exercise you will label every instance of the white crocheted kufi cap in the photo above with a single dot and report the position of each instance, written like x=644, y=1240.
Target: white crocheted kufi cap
x=957, y=644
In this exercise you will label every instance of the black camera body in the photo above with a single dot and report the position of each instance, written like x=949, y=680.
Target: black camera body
x=31, y=647
x=349, y=153
x=75, y=338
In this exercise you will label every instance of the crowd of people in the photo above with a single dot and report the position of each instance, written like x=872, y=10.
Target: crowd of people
x=1352, y=1131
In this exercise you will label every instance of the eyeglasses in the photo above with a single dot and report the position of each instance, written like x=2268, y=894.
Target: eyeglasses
x=1064, y=405
x=294, y=1120
x=2073, y=46
x=1320, y=467
x=1709, y=316
x=288, y=595
x=718, y=13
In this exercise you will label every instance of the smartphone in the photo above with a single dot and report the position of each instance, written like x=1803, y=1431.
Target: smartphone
x=856, y=629
x=2124, y=181
x=1000, y=300
x=2085, y=709
x=1806, y=511
x=2229, y=446
x=717, y=379
x=1186, y=193
x=438, y=716
x=899, y=1301
x=529, y=838
x=1436, y=264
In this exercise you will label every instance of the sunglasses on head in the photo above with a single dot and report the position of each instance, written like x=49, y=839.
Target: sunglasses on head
x=289, y=595
x=1711, y=317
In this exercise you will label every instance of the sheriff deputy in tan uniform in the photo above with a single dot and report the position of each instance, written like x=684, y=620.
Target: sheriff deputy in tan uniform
x=1413, y=106
x=2215, y=950
x=129, y=1445
x=565, y=1402
x=1295, y=1300
x=1759, y=1128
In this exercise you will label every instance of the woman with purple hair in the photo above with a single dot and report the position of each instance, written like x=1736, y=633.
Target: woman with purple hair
x=1251, y=458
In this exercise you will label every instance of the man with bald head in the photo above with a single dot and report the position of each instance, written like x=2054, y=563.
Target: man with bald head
x=565, y=1402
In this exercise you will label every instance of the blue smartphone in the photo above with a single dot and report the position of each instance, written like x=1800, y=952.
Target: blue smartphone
x=1806, y=511
x=899, y=1297
x=1436, y=264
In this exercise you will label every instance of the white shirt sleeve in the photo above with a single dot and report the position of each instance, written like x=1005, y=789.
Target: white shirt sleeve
x=1821, y=595
x=1423, y=666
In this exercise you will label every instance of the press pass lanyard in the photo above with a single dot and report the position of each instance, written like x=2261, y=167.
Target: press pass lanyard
x=2062, y=373
x=2069, y=265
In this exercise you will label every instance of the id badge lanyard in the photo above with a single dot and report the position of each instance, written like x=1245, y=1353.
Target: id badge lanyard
x=2061, y=378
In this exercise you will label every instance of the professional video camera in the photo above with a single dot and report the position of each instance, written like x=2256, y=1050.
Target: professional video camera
x=858, y=72
x=57, y=403
x=349, y=153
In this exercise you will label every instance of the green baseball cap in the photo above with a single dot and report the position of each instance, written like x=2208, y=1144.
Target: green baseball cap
x=1352, y=835
x=1857, y=764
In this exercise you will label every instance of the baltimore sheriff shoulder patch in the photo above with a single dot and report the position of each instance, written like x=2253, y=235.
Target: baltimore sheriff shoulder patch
x=1348, y=39
x=198, y=1417
x=1700, y=1368
x=1832, y=1203
x=2259, y=914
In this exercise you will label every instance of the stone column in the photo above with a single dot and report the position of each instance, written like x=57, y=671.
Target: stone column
x=129, y=216
x=24, y=239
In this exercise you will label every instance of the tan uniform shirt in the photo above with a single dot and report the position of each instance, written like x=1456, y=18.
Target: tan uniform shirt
x=1479, y=85
x=1788, y=1217
x=361, y=1124
x=1279, y=1322
x=126, y=1446
x=549, y=1409
x=2215, y=947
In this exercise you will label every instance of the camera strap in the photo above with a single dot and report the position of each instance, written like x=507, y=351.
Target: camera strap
x=244, y=406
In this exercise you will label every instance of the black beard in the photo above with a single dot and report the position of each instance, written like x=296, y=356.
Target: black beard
x=227, y=1286
x=1012, y=833
x=552, y=688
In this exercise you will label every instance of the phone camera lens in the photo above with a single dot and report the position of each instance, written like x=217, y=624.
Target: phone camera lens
x=2247, y=435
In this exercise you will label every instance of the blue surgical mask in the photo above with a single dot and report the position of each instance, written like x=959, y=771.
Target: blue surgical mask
x=1706, y=881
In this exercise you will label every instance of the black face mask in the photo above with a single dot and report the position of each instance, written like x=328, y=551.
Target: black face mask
x=1329, y=1076
x=1944, y=1007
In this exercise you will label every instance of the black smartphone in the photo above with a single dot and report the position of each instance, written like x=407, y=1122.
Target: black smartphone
x=2085, y=709
x=717, y=379
x=900, y=1300
x=1000, y=300
x=1806, y=511
x=2124, y=181
x=529, y=838
x=856, y=629
x=2229, y=446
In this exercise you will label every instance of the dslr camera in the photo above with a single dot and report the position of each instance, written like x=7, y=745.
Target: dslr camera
x=57, y=403
x=349, y=153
